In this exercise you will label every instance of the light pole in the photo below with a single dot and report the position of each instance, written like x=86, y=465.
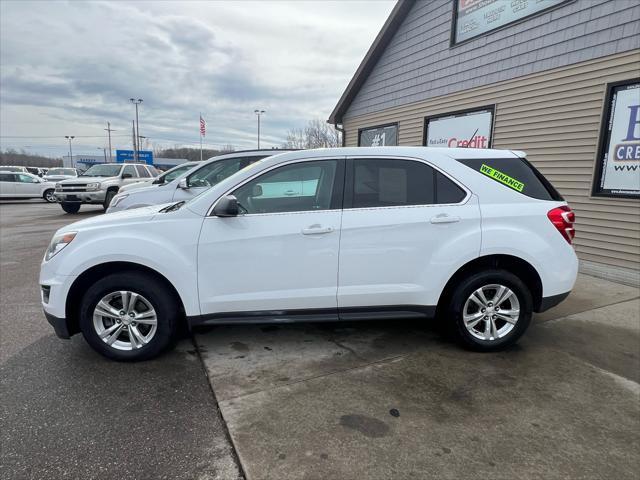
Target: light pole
x=137, y=148
x=259, y=114
x=70, y=137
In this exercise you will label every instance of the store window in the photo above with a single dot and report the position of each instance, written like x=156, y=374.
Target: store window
x=617, y=172
x=380, y=136
x=465, y=128
x=472, y=18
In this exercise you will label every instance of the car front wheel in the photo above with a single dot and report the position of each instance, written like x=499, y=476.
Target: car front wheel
x=129, y=316
x=50, y=196
x=490, y=310
x=70, y=207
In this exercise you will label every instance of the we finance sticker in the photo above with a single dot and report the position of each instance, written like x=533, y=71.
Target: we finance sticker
x=501, y=177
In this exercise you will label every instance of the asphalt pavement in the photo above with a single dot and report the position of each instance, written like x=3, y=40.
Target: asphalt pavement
x=66, y=412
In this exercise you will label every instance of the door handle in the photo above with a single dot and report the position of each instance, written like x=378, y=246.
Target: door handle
x=316, y=230
x=444, y=218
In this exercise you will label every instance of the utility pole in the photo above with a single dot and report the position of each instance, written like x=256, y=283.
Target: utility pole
x=70, y=137
x=109, y=130
x=137, y=134
x=133, y=137
x=259, y=114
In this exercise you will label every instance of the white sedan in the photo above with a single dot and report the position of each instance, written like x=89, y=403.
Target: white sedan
x=25, y=185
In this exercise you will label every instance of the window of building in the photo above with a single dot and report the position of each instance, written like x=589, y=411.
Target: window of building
x=465, y=128
x=617, y=172
x=472, y=18
x=380, y=136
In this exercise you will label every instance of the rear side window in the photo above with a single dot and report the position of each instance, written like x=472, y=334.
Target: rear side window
x=517, y=174
x=142, y=172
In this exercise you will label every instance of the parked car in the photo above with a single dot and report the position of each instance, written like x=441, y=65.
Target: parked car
x=99, y=184
x=162, y=179
x=58, y=174
x=478, y=237
x=190, y=183
x=25, y=185
x=12, y=168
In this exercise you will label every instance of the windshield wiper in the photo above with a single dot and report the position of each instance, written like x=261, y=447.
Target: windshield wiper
x=172, y=208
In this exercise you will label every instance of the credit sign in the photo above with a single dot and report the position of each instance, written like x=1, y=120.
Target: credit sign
x=469, y=129
x=618, y=162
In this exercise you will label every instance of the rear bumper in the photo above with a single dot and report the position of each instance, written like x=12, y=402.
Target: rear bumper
x=59, y=325
x=552, y=301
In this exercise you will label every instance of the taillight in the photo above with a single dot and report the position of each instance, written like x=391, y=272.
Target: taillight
x=563, y=219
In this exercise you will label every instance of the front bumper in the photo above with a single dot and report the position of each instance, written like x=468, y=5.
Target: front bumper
x=60, y=325
x=81, y=197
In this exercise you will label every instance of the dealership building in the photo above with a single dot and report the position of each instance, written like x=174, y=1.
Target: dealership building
x=559, y=79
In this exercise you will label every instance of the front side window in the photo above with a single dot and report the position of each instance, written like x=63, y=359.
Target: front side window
x=26, y=179
x=214, y=172
x=297, y=187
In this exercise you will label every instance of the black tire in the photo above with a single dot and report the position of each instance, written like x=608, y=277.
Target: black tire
x=70, y=207
x=472, y=283
x=107, y=199
x=49, y=195
x=155, y=291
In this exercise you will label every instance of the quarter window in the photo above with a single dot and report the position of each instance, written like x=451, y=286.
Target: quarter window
x=142, y=171
x=292, y=188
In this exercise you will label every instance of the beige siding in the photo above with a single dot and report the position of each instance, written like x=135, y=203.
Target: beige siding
x=555, y=117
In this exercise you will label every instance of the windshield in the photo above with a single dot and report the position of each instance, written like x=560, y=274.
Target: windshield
x=103, y=170
x=62, y=171
x=174, y=173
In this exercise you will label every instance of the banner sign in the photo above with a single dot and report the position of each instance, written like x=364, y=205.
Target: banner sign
x=381, y=136
x=475, y=17
x=469, y=129
x=618, y=162
x=127, y=156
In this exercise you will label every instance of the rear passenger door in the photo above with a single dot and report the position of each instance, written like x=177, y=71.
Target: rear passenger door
x=405, y=227
x=7, y=184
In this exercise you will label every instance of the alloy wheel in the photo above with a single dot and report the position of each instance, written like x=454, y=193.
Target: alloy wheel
x=125, y=320
x=491, y=312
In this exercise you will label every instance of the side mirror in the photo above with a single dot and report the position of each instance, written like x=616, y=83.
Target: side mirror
x=183, y=184
x=226, y=207
x=126, y=175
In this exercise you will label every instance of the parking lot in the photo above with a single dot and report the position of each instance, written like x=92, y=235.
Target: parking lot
x=387, y=400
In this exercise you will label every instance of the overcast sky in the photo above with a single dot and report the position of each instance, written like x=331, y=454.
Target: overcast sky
x=68, y=67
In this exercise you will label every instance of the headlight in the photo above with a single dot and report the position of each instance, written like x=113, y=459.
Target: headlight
x=58, y=186
x=117, y=199
x=93, y=186
x=58, y=243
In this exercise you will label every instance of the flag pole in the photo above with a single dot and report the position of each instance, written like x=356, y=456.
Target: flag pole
x=200, y=119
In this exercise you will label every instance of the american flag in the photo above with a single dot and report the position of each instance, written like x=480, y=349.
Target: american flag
x=202, y=126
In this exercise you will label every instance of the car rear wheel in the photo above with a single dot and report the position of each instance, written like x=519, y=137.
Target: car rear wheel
x=490, y=310
x=70, y=207
x=129, y=316
x=50, y=196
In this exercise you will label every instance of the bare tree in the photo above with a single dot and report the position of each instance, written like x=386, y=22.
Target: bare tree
x=317, y=134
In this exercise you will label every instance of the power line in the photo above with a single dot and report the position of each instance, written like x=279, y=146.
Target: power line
x=58, y=136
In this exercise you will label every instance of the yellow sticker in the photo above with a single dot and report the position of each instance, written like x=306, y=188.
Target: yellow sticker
x=501, y=177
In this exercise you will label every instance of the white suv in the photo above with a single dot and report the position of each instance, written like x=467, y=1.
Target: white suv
x=188, y=183
x=478, y=237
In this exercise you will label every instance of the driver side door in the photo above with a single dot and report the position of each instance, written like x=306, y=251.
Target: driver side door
x=277, y=260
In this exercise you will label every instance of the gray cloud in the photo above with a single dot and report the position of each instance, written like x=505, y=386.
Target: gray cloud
x=70, y=67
